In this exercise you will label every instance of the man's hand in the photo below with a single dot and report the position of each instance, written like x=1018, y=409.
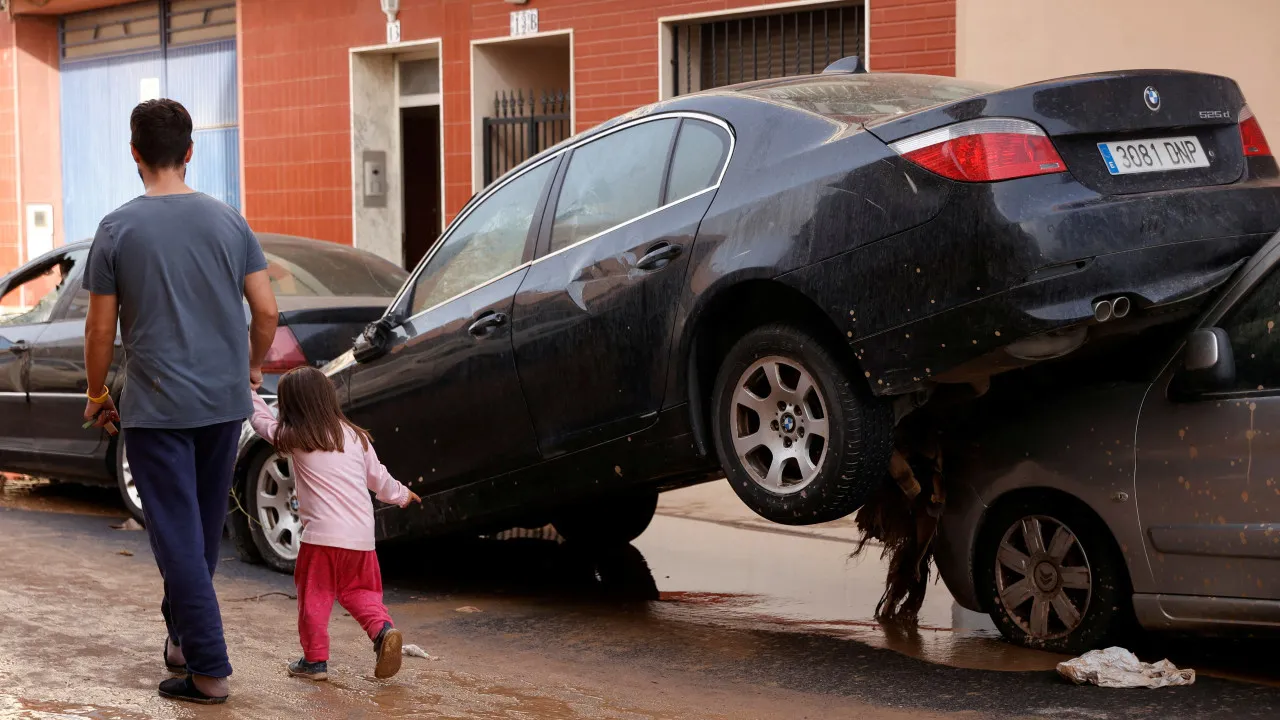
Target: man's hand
x=413, y=498
x=102, y=414
x=255, y=378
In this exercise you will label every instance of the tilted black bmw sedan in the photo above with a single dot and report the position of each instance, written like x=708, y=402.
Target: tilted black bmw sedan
x=758, y=278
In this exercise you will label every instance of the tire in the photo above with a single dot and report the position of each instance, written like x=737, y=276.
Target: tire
x=274, y=528
x=614, y=520
x=239, y=526
x=1096, y=581
x=818, y=455
x=124, y=483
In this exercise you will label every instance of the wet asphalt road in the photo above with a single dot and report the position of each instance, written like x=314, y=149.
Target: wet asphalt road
x=710, y=615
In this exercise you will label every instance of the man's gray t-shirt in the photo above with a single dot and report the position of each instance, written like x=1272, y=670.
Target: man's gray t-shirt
x=176, y=264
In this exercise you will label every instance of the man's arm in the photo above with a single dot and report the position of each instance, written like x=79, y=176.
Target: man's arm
x=99, y=347
x=262, y=328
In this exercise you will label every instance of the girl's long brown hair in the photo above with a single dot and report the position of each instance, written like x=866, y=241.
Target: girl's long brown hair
x=311, y=419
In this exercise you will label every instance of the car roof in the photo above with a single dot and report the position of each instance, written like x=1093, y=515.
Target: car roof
x=268, y=241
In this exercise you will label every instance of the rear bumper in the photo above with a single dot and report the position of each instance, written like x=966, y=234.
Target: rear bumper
x=943, y=346
x=1007, y=261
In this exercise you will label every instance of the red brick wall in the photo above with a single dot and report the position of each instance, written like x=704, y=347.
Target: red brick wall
x=10, y=251
x=38, y=110
x=913, y=36
x=295, y=71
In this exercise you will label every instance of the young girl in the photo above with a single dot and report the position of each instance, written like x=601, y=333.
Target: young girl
x=334, y=467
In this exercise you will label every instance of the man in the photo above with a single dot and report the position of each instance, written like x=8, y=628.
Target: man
x=172, y=266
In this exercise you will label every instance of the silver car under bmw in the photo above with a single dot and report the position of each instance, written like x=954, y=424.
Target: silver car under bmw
x=1140, y=482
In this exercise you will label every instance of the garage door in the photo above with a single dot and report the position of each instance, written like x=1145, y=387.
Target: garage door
x=112, y=60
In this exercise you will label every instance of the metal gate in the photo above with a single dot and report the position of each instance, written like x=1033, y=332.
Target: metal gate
x=513, y=135
x=713, y=53
x=113, y=59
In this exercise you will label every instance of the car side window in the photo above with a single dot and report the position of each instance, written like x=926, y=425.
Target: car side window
x=612, y=180
x=32, y=301
x=1254, y=328
x=77, y=307
x=701, y=151
x=488, y=242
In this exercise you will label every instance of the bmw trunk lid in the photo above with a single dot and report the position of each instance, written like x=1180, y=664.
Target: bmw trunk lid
x=1121, y=132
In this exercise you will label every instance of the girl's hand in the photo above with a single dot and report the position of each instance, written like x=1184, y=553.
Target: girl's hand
x=413, y=498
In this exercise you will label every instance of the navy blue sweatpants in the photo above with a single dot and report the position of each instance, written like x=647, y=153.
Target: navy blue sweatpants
x=184, y=480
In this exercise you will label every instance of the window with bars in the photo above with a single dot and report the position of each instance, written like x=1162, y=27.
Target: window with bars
x=724, y=51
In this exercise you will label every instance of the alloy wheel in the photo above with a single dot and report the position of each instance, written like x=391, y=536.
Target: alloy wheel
x=778, y=419
x=277, y=504
x=130, y=489
x=1043, y=577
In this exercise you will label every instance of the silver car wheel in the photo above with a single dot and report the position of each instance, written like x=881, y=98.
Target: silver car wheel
x=779, y=423
x=277, y=503
x=1043, y=577
x=130, y=489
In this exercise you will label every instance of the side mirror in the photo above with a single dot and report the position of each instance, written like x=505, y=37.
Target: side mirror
x=375, y=341
x=1208, y=362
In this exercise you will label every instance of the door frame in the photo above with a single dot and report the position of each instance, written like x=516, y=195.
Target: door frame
x=477, y=132
x=425, y=48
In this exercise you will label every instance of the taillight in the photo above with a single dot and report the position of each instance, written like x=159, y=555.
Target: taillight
x=983, y=150
x=285, y=353
x=1255, y=143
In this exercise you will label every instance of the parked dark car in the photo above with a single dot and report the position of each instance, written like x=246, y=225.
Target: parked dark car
x=1149, y=491
x=327, y=293
x=751, y=278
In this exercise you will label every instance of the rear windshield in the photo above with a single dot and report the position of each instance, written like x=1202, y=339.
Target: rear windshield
x=318, y=269
x=865, y=98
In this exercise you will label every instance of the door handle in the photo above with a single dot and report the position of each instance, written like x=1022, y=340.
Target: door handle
x=487, y=324
x=19, y=347
x=658, y=256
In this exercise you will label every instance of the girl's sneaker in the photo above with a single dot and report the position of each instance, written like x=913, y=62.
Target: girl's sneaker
x=387, y=646
x=309, y=670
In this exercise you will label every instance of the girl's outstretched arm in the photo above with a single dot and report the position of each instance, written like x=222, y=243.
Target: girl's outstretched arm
x=263, y=421
x=386, y=488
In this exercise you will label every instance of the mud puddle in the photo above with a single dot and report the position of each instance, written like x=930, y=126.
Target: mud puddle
x=715, y=573
x=12, y=708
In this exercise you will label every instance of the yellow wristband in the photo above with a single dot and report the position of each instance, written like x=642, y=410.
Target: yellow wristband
x=106, y=393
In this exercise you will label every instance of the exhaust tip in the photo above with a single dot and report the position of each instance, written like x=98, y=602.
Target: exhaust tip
x=1102, y=311
x=1120, y=307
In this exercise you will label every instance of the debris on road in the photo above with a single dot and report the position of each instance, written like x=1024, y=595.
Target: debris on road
x=468, y=609
x=415, y=651
x=126, y=553
x=1116, y=667
x=129, y=524
x=254, y=598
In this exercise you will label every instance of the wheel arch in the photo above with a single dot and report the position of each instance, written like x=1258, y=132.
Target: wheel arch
x=725, y=318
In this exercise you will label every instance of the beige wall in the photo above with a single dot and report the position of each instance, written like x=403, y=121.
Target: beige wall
x=1017, y=41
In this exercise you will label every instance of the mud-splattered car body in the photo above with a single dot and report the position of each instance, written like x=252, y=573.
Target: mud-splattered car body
x=1180, y=473
x=592, y=368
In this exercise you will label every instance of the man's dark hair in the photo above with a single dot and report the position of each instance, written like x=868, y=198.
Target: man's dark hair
x=161, y=133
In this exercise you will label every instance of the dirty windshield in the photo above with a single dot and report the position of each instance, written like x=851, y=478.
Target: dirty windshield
x=866, y=98
x=319, y=269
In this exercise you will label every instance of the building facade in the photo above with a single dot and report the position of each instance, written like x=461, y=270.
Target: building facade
x=371, y=122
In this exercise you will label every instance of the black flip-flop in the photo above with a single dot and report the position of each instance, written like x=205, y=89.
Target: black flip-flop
x=177, y=669
x=185, y=689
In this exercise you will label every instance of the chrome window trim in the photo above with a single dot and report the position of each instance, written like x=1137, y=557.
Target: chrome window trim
x=413, y=278
x=625, y=223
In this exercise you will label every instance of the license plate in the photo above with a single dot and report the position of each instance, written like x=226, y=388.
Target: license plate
x=1157, y=155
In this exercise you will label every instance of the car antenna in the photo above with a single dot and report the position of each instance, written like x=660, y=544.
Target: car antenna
x=851, y=64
